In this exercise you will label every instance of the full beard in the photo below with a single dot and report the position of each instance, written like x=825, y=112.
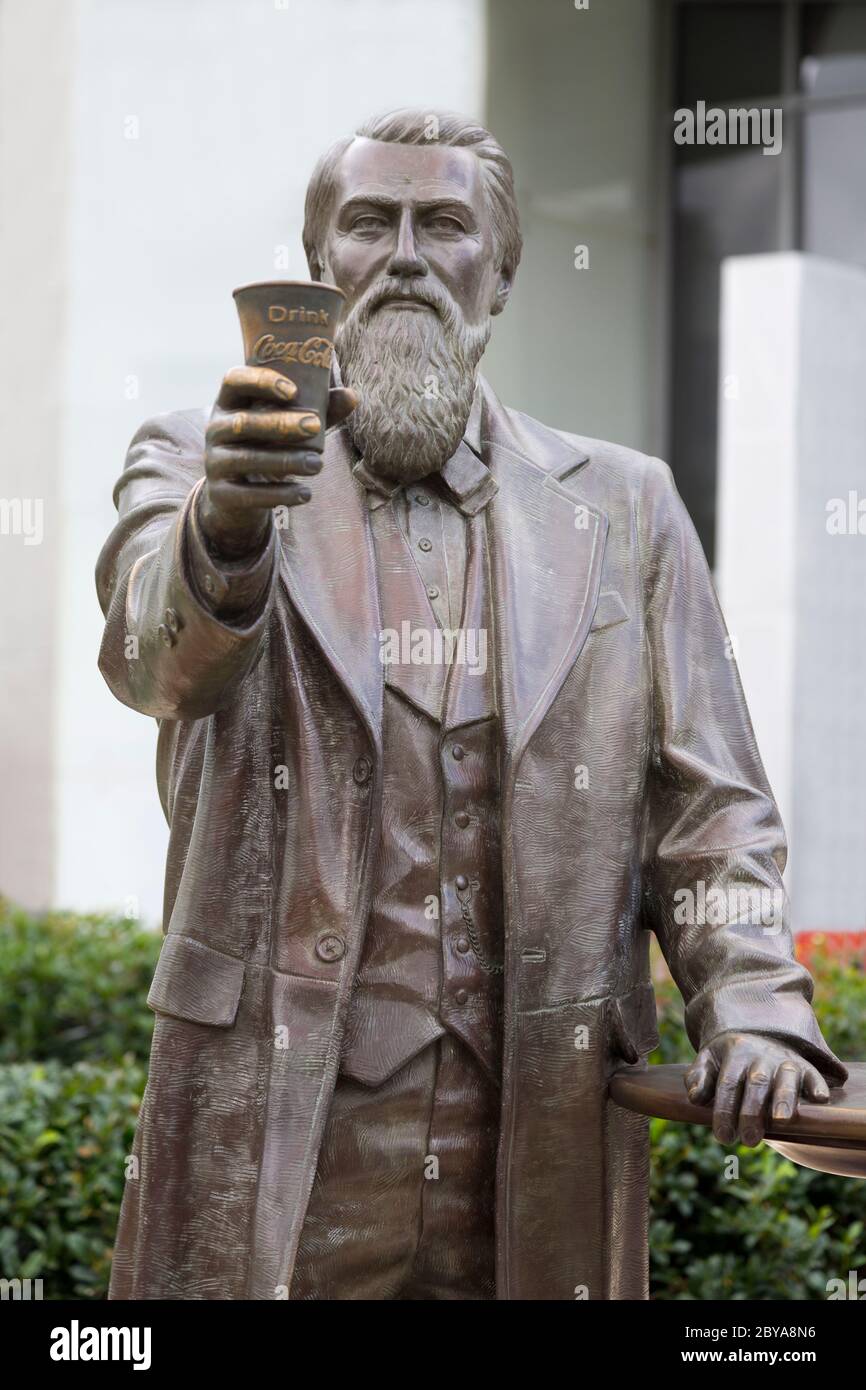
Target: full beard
x=414, y=371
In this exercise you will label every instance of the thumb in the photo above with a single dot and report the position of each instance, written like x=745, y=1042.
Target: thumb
x=814, y=1085
x=700, y=1079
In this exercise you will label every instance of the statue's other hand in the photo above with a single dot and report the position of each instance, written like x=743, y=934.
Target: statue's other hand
x=258, y=455
x=750, y=1077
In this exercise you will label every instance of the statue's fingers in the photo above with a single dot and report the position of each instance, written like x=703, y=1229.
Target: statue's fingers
x=269, y=427
x=786, y=1091
x=242, y=385
x=753, y=1103
x=726, y=1109
x=341, y=402
x=814, y=1085
x=700, y=1079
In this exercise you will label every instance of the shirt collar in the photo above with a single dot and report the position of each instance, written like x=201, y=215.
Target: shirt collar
x=467, y=480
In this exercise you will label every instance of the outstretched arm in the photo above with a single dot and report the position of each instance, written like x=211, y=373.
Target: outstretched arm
x=187, y=576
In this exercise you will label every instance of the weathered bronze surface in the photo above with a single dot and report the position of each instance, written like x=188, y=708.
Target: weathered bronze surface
x=830, y=1137
x=369, y=857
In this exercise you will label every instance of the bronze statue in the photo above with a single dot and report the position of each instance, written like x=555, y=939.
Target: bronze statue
x=447, y=725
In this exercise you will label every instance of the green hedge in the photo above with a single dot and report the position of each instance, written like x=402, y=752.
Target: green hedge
x=776, y=1231
x=74, y=1034
x=74, y=988
x=64, y=1134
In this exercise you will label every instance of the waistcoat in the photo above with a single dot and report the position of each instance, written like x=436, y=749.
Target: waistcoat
x=432, y=956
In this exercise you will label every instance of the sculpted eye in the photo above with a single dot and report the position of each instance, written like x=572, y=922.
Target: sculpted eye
x=443, y=223
x=368, y=222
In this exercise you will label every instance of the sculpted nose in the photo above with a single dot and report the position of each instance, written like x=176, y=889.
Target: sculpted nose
x=406, y=258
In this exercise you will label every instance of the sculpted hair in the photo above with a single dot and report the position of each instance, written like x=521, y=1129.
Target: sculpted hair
x=414, y=127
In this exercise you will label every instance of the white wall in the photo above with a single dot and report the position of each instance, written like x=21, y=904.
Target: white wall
x=793, y=437
x=228, y=103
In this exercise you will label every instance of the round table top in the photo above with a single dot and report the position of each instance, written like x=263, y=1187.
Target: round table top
x=830, y=1136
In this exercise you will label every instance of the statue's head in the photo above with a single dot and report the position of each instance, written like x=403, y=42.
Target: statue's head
x=414, y=218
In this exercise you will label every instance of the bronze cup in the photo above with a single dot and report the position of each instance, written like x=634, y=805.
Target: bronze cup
x=289, y=325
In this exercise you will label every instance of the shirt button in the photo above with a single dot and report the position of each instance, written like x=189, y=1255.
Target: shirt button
x=432, y=592
x=425, y=544
x=461, y=819
x=462, y=944
x=422, y=500
x=361, y=771
x=458, y=752
x=330, y=948
x=461, y=882
x=461, y=996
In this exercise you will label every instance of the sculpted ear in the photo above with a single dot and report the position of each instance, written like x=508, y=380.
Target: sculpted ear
x=504, y=282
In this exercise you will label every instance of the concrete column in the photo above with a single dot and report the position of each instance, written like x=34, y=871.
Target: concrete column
x=792, y=556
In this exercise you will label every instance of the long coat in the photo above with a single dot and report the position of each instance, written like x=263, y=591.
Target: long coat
x=629, y=774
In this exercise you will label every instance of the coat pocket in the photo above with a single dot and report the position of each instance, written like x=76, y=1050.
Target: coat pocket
x=196, y=983
x=633, y=1024
x=609, y=611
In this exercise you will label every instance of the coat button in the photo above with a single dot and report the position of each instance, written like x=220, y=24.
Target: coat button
x=432, y=591
x=166, y=635
x=330, y=948
x=425, y=544
x=461, y=819
x=458, y=752
x=461, y=996
x=361, y=771
x=462, y=944
x=461, y=882
x=209, y=584
x=172, y=621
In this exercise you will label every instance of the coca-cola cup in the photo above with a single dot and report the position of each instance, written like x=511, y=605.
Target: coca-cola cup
x=290, y=325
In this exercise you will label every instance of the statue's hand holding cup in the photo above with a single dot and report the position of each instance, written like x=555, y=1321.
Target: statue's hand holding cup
x=266, y=433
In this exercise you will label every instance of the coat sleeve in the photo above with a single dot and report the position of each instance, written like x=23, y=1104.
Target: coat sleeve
x=170, y=650
x=714, y=845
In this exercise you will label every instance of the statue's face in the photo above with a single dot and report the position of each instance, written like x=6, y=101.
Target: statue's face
x=417, y=212
x=410, y=243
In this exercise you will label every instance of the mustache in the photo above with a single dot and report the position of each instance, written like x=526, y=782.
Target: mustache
x=384, y=291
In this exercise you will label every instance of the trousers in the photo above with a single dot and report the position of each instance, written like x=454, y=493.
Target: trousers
x=402, y=1206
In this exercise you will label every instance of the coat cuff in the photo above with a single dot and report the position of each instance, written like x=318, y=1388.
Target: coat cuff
x=233, y=590
x=788, y=1021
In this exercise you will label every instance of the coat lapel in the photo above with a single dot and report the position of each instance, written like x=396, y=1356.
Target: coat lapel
x=328, y=568
x=547, y=546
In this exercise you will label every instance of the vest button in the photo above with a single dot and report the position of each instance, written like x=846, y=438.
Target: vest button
x=330, y=948
x=461, y=819
x=461, y=882
x=461, y=996
x=462, y=944
x=361, y=771
x=458, y=752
